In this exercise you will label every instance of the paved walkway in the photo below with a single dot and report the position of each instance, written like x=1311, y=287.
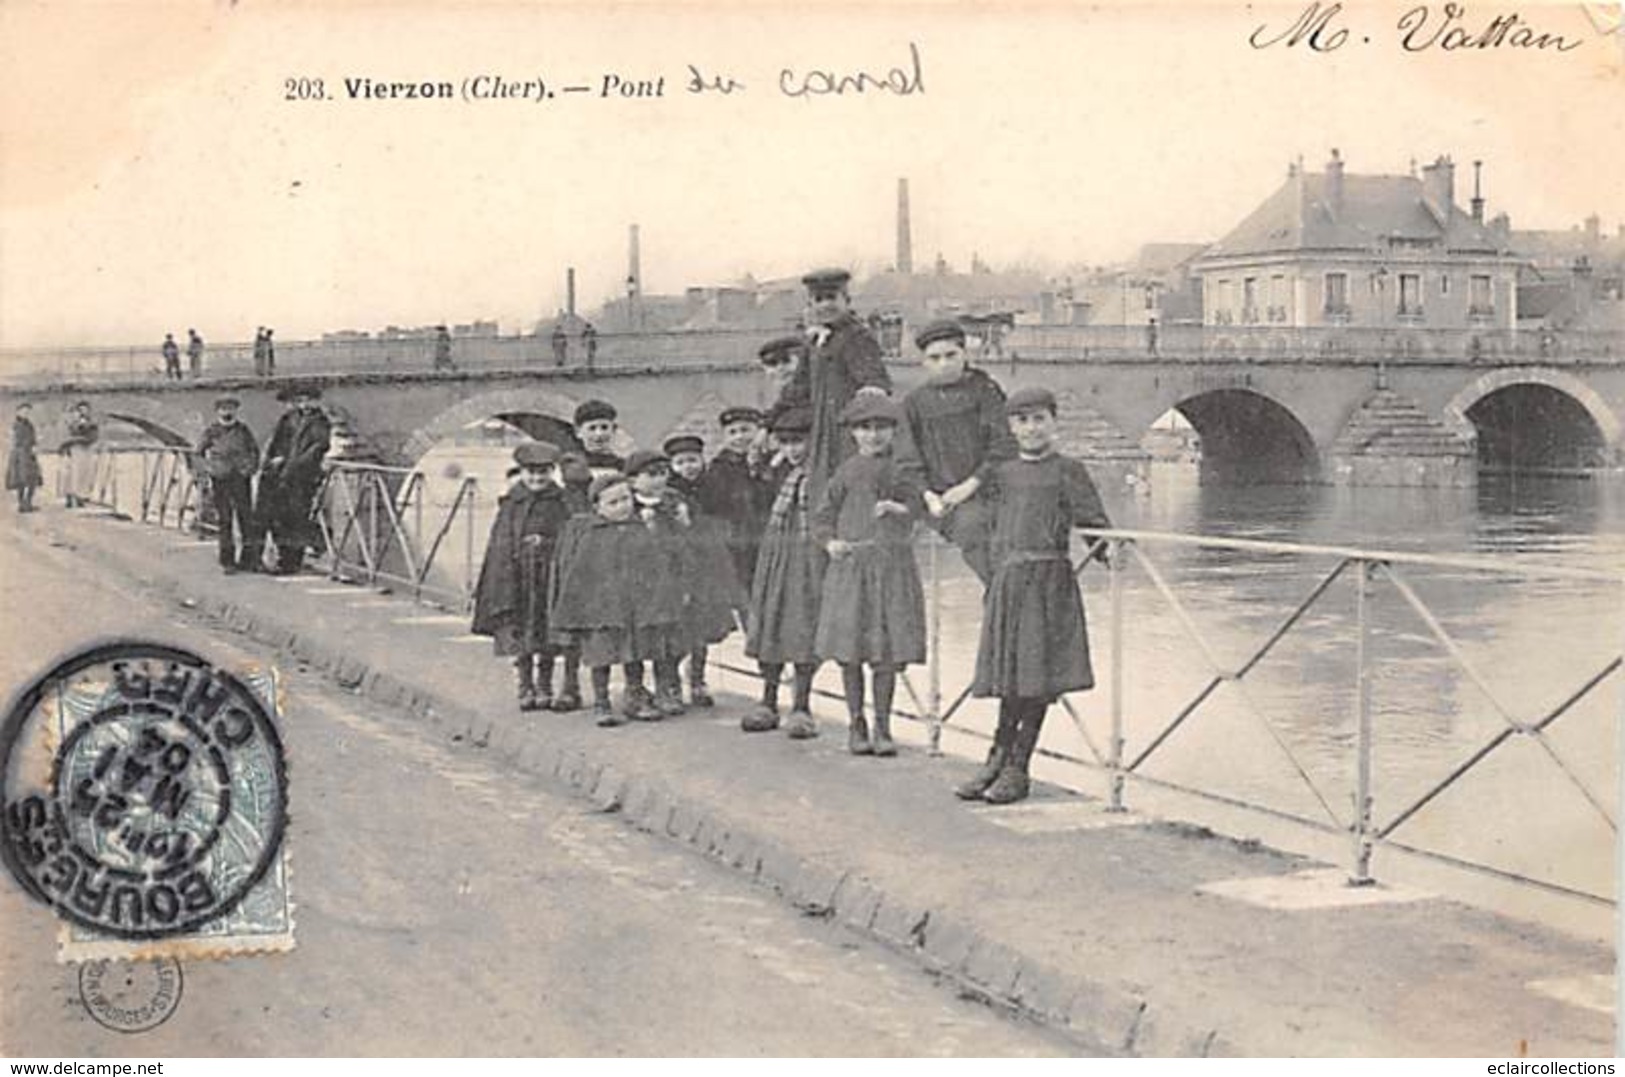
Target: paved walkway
x=1129, y=934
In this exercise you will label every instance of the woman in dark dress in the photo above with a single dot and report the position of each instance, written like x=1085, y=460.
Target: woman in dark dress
x=22, y=466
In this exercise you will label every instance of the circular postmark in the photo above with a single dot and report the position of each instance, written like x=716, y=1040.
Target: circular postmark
x=144, y=790
x=131, y=996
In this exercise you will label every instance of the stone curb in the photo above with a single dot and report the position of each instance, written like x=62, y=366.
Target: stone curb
x=1095, y=1015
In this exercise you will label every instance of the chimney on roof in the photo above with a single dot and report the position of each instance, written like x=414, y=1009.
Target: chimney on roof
x=1334, y=183
x=1501, y=225
x=905, y=238
x=1439, y=187
x=1478, y=193
x=570, y=291
x=1583, y=283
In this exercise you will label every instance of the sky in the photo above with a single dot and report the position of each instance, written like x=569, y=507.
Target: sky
x=154, y=175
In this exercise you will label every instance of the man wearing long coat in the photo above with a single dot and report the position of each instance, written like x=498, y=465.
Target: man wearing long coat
x=289, y=479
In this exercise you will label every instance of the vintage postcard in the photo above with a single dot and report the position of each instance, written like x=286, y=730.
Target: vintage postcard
x=724, y=529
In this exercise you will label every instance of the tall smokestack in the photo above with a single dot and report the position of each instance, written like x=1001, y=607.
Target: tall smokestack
x=570, y=291
x=1478, y=192
x=905, y=241
x=634, y=273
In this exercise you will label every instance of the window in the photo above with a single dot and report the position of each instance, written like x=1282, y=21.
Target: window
x=1444, y=284
x=1337, y=293
x=1480, y=300
x=1410, y=294
x=1278, y=298
x=1249, y=299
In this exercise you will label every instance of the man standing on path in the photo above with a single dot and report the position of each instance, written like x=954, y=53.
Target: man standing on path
x=172, y=357
x=230, y=456
x=194, y=353
x=290, y=478
x=845, y=357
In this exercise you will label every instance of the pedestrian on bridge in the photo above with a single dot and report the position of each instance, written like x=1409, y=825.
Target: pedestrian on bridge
x=511, y=598
x=230, y=457
x=259, y=351
x=194, y=353
x=172, y=357
x=79, y=455
x=442, y=349
x=22, y=465
x=289, y=479
x=1035, y=643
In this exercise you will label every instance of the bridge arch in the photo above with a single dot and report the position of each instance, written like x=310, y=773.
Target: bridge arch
x=511, y=405
x=1546, y=407
x=172, y=424
x=1248, y=437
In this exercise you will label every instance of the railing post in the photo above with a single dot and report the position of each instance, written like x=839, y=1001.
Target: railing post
x=1360, y=873
x=934, y=654
x=1118, y=551
x=468, y=542
x=372, y=526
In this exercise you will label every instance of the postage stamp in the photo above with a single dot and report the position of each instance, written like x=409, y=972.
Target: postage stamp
x=145, y=801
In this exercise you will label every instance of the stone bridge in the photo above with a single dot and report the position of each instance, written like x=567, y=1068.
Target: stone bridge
x=1361, y=420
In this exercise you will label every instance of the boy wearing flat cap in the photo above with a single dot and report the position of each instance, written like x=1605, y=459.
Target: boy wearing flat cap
x=1035, y=643
x=845, y=357
x=230, y=456
x=596, y=423
x=510, y=601
x=713, y=587
x=957, y=427
x=736, y=489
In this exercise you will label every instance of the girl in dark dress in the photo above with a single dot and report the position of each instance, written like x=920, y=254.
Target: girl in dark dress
x=785, y=591
x=614, y=599
x=1035, y=644
x=22, y=465
x=873, y=608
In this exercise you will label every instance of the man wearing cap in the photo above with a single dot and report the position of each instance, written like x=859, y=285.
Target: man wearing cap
x=230, y=456
x=172, y=357
x=845, y=357
x=194, y=353
x=510, y=600
x=290, y=477
x=957, y=426
x=596, y=423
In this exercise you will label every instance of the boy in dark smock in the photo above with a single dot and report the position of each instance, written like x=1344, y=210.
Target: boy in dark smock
x=735, y=489
x=714, y=590
x=1035, y=644
x=957, y=427
x=511, y=599
x=615, y=598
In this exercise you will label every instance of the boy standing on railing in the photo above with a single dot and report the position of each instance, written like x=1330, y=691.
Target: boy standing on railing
x=957, y=427
x=230, y=456
x=1035, y=644
x=511, y=599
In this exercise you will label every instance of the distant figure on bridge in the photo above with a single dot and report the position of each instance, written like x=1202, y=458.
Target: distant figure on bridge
x=442, y=349
x=230, y=456
x=289, y=479
x=511, y=598
x=259, y=352
x=589, y=339
x=270, y=354
x=1035, y=643
x=194, y=353
x=1151, y=336
x=844, y=358
x=79, y=456
x=957, y=427
x=561, y=345
x=172, y=357
x=22, y=465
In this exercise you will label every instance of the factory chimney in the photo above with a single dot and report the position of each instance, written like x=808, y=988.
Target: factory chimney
x=905, y=241
x=570, y=291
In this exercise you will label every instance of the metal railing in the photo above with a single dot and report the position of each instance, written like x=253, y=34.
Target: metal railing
x=376, y=525
x=611, y=351
x=167, y=493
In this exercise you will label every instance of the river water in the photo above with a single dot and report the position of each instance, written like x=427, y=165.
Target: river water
x=1529, y=808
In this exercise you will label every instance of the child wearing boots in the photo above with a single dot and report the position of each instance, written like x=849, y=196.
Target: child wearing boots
x=714, y=591
x=614, y=598
x=1035, y=644
x=511, y=600
x=873, y=607
x=666, y=516
x=786, y=588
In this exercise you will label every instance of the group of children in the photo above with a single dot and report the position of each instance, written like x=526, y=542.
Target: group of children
x=648, y=560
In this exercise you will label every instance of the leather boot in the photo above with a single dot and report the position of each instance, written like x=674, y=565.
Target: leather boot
x=1013, y=783
x=996, y=756
x=569, y=697
x=884, y=746
x=525, y=679
x=857, y=737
